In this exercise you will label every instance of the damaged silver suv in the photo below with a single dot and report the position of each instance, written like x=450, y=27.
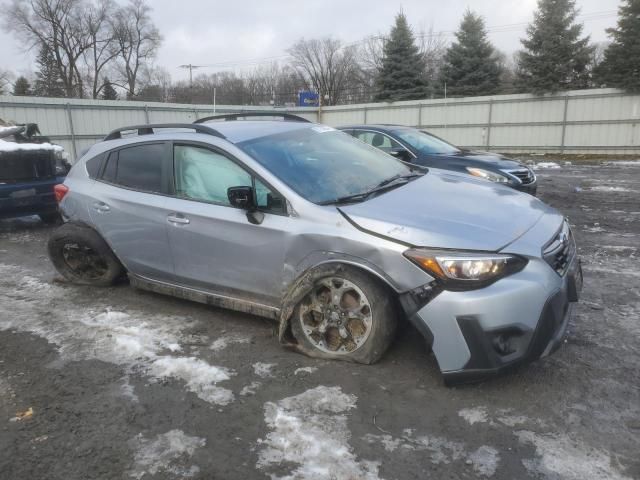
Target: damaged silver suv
x=330, y=237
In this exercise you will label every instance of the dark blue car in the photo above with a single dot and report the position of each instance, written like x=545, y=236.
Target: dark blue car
x=29, y=171
x=422, y=148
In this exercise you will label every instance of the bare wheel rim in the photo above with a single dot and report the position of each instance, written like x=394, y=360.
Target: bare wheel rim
x=336, y=316
x=83, y=261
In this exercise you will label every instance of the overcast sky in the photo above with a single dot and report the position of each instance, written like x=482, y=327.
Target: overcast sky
x=235, y=34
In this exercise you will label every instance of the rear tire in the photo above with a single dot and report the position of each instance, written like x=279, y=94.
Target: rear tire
x=81, y=256
x=347, y=316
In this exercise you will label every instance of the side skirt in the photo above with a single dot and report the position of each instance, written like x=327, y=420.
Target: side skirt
x=205, y=297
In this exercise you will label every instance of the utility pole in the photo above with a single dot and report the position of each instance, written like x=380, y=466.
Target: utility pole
x=191, y=69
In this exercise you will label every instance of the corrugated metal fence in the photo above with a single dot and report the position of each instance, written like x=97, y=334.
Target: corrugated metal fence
x=584, y=121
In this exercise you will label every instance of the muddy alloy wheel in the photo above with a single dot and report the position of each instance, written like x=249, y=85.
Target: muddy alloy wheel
x=83, y=261
x=336, y=316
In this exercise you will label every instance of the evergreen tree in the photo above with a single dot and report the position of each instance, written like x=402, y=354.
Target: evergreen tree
x=471, y=63
x=621, y=64
x=48, y=82
x=22, y=87
x=401, y=76
x=554, y=56
x=108, y=92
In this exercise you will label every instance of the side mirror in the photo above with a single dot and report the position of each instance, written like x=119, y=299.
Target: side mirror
x=401, y=154
x=243, y=197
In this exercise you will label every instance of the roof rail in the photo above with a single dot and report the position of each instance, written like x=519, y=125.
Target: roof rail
x=149, y=129
x=236, y=116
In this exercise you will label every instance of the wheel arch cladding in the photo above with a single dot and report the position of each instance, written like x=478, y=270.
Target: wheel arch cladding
x=303, y=285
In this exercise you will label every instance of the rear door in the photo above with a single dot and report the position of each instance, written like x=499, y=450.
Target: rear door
x=215, y=247
x=129, y=207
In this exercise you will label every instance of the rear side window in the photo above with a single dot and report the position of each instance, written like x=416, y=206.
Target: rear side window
x=138, y=168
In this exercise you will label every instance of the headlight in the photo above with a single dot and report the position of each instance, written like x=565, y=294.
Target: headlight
x=487, y=175
x=462, y=271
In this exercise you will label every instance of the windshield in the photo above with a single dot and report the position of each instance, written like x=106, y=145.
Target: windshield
x=322, y=164
x=426, y=143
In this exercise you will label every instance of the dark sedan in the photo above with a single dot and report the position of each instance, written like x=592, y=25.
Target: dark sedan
x=422, y=148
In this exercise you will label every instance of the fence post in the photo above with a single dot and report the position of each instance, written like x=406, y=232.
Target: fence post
x=364, y=111
x=488, y=145
x=419, y=115
x=564, y=122
x=72, y=131
x=146, y=114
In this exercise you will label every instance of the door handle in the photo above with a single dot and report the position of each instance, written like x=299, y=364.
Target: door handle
x=178, y=219
x=101, y=207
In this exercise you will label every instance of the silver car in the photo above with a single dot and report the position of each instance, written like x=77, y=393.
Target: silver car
x=330, y=237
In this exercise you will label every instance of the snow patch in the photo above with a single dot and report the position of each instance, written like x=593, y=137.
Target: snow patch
x=200, y=377
x=250, y=389
x=166, y=453
x=136, y=340
x=223, y=342
x=545, y=165
x=310, y=431
x=559, y=455
x=14, y=147
x=485, y=461
x=606, y=188
x=263, y=369
x=474, y=415
x=308, y=370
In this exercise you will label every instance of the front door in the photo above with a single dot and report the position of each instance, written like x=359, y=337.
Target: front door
x=215, y=247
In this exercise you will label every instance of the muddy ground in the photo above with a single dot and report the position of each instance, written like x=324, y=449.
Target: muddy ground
x=117, y=383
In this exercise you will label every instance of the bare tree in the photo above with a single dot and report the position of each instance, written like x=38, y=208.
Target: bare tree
x=5, y=81
x=433, y=46
x=102, y=46
x=325, y=65
x=137, y=40
x=60, y=25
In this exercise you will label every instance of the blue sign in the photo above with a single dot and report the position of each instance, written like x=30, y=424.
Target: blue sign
x=308, y=99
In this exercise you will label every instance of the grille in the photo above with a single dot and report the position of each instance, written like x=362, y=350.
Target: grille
x=525, y=175
x=560, y=250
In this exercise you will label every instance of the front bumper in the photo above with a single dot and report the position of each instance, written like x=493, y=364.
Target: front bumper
x=479, y=333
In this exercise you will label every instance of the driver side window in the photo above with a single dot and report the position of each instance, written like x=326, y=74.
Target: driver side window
x=378, y=140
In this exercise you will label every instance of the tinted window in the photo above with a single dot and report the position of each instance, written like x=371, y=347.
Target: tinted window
x=94, y=165
x=140, y=167
x=109, y=174
x=426, y=143
x=322, y=164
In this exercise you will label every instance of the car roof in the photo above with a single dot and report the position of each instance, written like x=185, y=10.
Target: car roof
x=377, y=126
x=243, y=130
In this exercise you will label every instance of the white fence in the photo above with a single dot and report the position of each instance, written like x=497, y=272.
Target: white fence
x=585, y=121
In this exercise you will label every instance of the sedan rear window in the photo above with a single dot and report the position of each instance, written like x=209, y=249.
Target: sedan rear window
x=322, y=164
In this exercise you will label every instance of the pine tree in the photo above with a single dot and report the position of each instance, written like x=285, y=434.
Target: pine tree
x=108, y=92
x=621, y=64
x=22, y=87
x=554, y=56
x=471, y=63
x=401, y=76
x=48, y=82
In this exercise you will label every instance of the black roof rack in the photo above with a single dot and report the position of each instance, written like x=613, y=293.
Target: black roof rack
x=149, y=129
x=236, y=116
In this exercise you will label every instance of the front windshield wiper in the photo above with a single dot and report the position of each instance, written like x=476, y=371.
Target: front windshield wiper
x=391, y=182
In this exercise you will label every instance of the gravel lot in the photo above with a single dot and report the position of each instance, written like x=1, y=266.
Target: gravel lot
x=128, y=384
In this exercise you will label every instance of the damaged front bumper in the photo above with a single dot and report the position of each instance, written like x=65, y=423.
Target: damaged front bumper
x=523, y=317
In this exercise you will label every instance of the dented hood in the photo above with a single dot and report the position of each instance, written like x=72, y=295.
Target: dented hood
x=449, y=210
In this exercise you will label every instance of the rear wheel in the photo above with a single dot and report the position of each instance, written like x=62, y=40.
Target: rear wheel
x=348, y=316
x=82, y=256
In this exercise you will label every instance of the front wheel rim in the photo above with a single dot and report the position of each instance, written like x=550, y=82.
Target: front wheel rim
x=336, y=316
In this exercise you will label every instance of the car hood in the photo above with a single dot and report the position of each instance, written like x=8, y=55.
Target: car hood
x=449, y=210
x=493, y=159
